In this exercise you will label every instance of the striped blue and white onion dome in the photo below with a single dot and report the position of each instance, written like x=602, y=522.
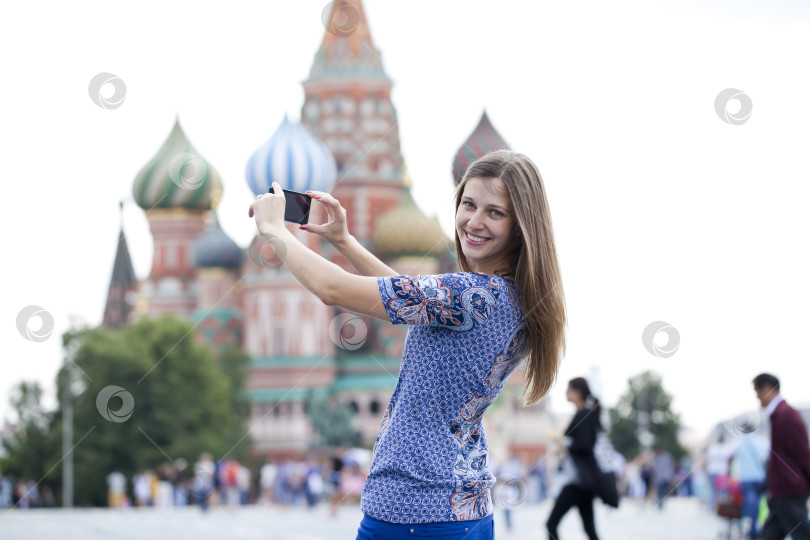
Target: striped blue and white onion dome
x=294, y=158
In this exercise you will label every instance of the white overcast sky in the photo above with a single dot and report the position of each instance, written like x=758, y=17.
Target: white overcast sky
x=662, y=211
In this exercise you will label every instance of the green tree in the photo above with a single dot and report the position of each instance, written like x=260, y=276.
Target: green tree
x=332, y=421
x=142, y=396
x=233, y=362
x=644, y=412
x=33, y=451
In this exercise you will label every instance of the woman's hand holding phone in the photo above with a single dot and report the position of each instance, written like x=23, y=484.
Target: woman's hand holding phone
x=336, y=229
x=336, y=232
x=269, y=210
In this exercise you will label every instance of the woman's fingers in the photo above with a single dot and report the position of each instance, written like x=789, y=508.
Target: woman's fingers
x=268, y=207
x=334, y=210
x=335, y=227
x=325, y=198
x=311, y=227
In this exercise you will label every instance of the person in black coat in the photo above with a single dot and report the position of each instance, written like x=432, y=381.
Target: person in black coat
x=582, y=475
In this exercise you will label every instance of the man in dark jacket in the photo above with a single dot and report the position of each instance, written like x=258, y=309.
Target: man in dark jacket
x=788, y=471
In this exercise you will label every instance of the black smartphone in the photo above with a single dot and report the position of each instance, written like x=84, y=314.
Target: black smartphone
x=297, y=206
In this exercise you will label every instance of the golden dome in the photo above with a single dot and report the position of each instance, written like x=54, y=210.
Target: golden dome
x=406, y=231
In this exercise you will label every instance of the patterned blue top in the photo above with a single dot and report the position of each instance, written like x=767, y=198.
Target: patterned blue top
x=430, y=457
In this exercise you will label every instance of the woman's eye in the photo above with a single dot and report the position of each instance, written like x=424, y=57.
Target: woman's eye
x=496, y=213
x=468, y=204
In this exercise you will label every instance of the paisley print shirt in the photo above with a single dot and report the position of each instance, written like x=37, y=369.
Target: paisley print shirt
x=465, y=338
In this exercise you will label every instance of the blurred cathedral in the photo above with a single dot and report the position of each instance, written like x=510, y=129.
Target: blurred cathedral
x=347, y=143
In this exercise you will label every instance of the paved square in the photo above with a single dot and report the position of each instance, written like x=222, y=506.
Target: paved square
x=681, y=519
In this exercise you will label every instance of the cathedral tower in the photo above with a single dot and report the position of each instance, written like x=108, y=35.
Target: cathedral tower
x=286, y=327
x=347, y=105
x=218, y=317
x=176, y=189
x=121, y=295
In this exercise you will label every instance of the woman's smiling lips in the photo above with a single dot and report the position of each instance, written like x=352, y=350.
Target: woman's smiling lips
x=475, y=240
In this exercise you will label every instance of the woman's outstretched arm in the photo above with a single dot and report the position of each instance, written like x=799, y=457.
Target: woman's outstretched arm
x=326, y=280
x=336, y=232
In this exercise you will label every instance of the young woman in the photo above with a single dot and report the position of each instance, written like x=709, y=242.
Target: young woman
x=468, y=332
x=580, y=470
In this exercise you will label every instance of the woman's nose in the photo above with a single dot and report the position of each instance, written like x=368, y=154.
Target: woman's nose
x=475, y=220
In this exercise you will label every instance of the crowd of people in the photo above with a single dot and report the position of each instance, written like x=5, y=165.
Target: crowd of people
x=729, y=468
x=336, y=479
x=24, y=494
x=729, y=465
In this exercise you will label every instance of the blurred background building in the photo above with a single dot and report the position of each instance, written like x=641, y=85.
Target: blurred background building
x=347, y=143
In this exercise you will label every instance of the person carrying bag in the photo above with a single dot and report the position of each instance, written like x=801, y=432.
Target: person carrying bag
x=586, y=478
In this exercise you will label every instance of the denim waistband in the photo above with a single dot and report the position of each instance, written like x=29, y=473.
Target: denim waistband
x=445, y=529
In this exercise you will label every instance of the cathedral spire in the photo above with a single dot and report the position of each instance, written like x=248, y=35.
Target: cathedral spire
x=122, y=284
x=347, y=48
x=347, y=105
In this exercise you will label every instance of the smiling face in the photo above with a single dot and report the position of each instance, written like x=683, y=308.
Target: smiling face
x=485, y=225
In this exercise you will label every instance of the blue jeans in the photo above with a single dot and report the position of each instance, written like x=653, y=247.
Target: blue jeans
x=752, y=492
x=373, y=529
x=661, y=491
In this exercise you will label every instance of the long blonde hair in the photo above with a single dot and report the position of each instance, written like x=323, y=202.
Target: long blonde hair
x=533, y=264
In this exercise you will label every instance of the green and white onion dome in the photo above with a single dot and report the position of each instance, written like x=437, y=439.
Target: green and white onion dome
x=294, y=158
x=177, y=177
x=215, y=249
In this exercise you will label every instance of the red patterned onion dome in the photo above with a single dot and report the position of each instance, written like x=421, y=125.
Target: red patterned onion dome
x=483, y=140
